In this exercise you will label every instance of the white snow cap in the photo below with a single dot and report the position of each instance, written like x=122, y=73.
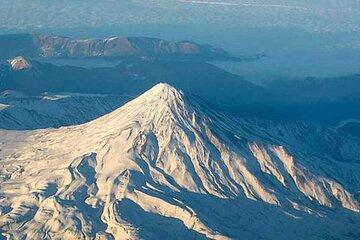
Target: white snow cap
x=162, y=88
x=162, y=92
x=19, y=63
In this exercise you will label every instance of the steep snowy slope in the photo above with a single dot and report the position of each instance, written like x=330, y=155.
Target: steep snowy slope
x=22, y=112
x=165, y=166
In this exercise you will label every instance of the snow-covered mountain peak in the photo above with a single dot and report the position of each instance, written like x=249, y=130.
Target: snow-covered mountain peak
x=166, y=155
x=159, y=104
x=19, y=63
x=163, y=92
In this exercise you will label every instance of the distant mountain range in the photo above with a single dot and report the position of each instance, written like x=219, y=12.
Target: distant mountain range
x=39, y=46
x=330, y=88
x=131, y=77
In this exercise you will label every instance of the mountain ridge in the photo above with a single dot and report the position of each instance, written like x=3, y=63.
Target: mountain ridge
x=130, y=77
x=46, y=46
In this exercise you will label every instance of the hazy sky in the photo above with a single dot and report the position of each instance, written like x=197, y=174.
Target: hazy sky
x=312, y=15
